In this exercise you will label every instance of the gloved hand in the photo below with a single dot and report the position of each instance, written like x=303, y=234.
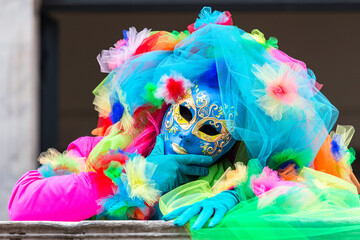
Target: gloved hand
x=215, y=207
x=174, y=170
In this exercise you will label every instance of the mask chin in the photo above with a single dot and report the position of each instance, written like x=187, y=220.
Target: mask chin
x=196, y=125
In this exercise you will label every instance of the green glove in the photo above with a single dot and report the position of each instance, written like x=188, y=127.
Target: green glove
x=174, y=170
x=215, y=207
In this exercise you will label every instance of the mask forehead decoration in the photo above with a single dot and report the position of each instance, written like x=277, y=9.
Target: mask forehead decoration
x=195, y=124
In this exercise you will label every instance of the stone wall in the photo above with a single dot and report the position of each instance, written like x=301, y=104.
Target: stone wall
x=19, y=87
x=134, y=230
x=159, y=230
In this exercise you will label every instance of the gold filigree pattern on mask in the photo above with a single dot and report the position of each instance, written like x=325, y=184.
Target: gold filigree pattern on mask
x=217, y=148
x=211, y=114
x=202, y=103
x=207, y=149
x=213, y=122
x=188, y=102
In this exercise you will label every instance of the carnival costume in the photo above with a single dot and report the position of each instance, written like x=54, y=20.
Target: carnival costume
x=211, y=96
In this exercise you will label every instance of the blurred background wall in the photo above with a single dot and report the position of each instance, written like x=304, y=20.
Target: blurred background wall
x=69, y=36
x=19, y=93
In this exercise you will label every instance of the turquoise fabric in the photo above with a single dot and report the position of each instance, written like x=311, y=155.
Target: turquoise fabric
x=173, y=170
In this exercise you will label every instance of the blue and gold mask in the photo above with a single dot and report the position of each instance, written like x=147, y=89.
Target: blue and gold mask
x=195, y=125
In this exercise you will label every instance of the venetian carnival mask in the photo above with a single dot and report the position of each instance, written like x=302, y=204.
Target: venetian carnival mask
x=195, y=124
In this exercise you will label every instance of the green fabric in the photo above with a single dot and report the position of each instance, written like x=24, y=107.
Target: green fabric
x=186, y=194
x=215, y=172
x=272, y=42
x=284, y=220
x=321, y=206
x=352, y=156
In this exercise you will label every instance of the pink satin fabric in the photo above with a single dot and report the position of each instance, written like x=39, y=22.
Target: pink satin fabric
x=60, y=198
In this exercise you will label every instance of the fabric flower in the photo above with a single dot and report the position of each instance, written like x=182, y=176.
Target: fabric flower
x=260, y=38
x=172, y=88
x=290, y=173
x=268, y=180
x=206, y=16
x=161, y=41
x=290, y=156
x=135, y=191
x=120, y=43
x=338, y=148
x=138, y=173
x=149, y=95
x=340, y=142
x=55, y=163
x=124, y=49
x=281, y=90
x=118, y=205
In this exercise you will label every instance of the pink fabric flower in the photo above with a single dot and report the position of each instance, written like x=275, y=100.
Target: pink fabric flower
x=123, y=50
x=292, y=62
x=268, y=180
x=281, y=90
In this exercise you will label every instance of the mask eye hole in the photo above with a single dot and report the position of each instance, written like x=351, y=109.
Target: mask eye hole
x=209, y=130
x=186, y=113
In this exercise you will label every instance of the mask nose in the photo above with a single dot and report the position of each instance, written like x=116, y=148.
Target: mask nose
x=185, y=138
